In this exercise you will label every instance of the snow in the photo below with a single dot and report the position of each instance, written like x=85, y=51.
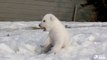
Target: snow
x=19, y=41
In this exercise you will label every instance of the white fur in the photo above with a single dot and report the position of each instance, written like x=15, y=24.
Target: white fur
x=58, y=35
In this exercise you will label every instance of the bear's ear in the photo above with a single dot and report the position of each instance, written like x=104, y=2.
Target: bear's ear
x=51, y=18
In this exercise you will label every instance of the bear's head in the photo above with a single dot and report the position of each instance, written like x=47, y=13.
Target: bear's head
x=48, y=21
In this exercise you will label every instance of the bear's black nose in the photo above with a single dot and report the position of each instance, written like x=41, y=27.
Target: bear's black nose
x=39, y=25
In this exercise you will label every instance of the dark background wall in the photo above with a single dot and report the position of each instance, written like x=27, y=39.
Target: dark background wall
x=32, y=10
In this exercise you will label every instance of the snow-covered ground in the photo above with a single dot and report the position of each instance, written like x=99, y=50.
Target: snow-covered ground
x=21, y=40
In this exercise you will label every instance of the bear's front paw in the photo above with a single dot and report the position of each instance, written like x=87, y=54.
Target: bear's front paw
x=51, y=52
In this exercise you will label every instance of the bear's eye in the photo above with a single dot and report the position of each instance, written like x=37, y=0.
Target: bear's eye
x=43, y=20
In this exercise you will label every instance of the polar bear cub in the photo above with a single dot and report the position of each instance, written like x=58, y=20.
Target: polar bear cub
x=58, y=38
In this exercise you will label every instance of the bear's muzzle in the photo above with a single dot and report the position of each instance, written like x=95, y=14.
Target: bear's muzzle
x=44, y=29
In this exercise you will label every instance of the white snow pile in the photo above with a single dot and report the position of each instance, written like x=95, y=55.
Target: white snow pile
x=18, y=41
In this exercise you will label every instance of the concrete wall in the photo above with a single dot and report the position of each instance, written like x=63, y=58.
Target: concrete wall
x=31, y=10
